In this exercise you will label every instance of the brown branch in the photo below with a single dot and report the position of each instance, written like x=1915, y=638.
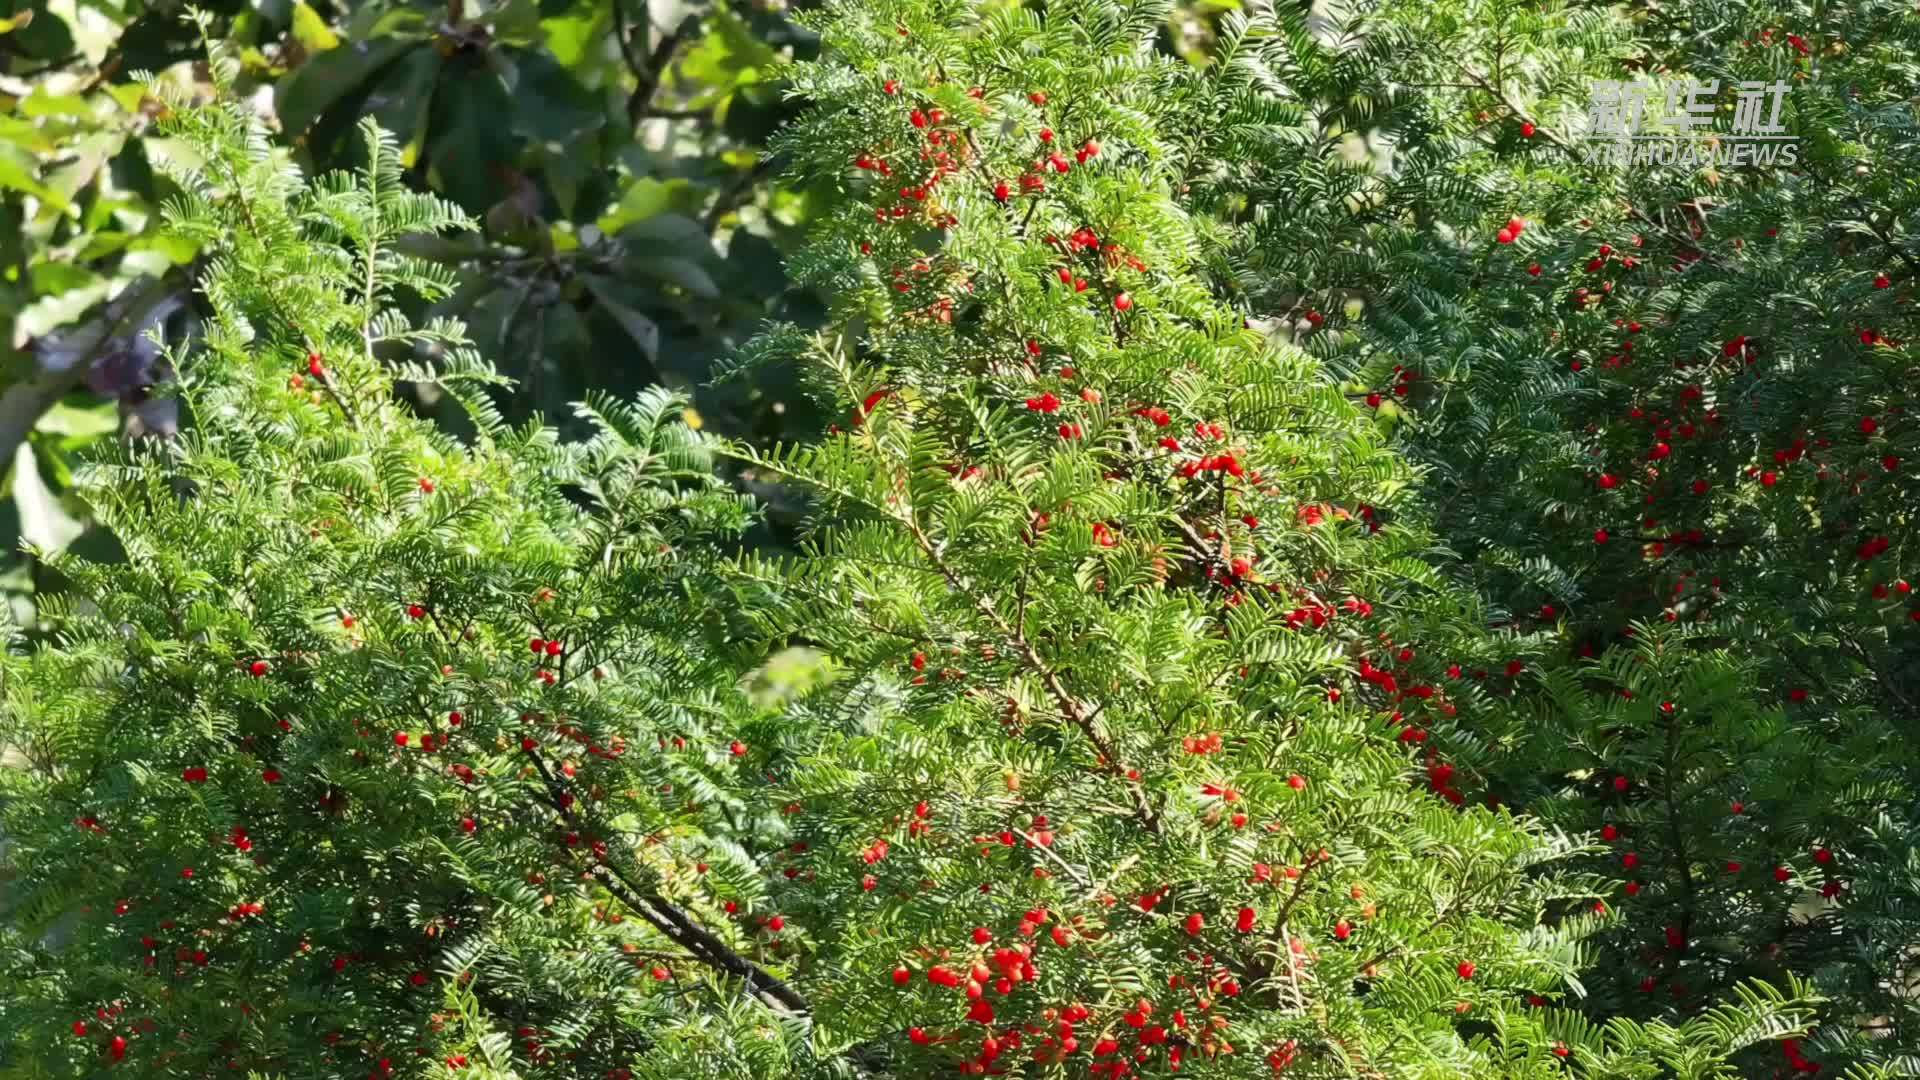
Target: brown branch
x=653, y=72
x=1068, y=705
x=734, y=195
x=673, y=923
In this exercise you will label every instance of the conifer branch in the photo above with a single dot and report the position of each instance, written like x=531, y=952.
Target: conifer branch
x=1068, y=705
x=670, y=921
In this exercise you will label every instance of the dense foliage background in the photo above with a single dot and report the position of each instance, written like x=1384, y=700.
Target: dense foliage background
x=921, y=537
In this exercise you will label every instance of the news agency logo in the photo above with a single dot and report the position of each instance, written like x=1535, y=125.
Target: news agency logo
x=1649, y=123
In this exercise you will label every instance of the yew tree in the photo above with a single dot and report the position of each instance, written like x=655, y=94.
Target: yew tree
x=1129, y=749
x=1132, y=730
x=1663, y=412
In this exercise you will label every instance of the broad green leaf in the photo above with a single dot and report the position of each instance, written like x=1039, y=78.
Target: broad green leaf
x=402, y=96
x=101, y=418
x=644, y=331
x=685, y=273
x=25, y=135
x=672, y=231
x=17, y=172
x=43, y=521
x=648, y=197
x=311, y=31
x=52, y=312
x=41, y=103
x=175, y=249
x=327, y=78
x=576, y=41
x=472, y=136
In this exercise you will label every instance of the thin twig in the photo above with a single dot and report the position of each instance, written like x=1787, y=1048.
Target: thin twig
x=673, y=923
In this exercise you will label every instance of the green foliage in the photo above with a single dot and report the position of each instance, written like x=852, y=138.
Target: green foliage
x=612, y=151
x=1198, y=656
x=292, y=796
x=1104, y=681
x=1672, y=415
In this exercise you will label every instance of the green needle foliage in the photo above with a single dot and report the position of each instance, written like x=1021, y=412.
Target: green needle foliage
x=297, y=799
x=1148, y=728
x=1669, y=426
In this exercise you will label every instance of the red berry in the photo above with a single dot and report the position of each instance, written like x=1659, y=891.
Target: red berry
x=737, y=748
x=259, y=668
x=1123, y=302
x=1465, y=969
